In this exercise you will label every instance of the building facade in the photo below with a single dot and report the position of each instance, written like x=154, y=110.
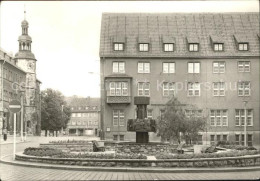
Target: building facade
x=209, y=61
x=11, y=76
x=85, y=116
x=19, y=76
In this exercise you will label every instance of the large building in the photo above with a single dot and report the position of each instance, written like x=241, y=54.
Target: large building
x=85, y=116
x=10, y=75
x=18, y=75
x=209, y=61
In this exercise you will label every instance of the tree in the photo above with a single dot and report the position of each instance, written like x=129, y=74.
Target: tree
x=174, y=121
x=53, y=117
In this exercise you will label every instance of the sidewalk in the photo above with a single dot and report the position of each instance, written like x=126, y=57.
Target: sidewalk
x=10, y=140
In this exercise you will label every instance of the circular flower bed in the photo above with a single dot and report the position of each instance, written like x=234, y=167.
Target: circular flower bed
x=55, y=153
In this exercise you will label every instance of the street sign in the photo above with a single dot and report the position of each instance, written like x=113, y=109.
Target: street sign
x=15, y=106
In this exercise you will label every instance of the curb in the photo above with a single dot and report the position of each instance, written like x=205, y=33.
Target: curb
x=128, y=169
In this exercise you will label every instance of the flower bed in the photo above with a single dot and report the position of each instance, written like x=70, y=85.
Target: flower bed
x=206, y=155
x=241, y=161
x=56, y=153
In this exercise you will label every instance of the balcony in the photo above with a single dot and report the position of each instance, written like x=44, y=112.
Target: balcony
x=118, y=99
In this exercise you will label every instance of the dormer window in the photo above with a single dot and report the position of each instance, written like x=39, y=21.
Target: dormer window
x=143, y=47
x=119, y=43
x=79, y=108
x=193, y=43
x=218, y=47
x=168, y=43
x=242, y=42
x=168, y=47
x=217, y=43
x=243, y=46
x=193, y=47
x=118, y=46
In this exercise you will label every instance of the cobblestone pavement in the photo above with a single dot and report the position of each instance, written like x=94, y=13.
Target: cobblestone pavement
x=13, y=172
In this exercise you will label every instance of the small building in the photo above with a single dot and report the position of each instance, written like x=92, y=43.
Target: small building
x=85, y=116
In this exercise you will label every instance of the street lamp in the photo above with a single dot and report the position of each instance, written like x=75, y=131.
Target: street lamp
x=245, y=124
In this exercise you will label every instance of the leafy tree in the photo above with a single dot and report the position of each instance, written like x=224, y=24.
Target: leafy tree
x=174, y=121
x=53, y=118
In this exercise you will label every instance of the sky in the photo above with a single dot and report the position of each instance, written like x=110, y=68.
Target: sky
x=66, y=35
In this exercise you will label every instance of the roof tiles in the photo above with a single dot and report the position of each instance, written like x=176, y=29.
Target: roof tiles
x=154, y=28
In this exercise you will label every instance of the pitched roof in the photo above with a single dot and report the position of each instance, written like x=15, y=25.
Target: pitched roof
x=182, y=26
x=93, y=104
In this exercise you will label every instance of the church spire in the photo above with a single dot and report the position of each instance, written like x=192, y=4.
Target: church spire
x=25, y=40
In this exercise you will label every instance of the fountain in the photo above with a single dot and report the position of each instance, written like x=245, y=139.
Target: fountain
x=142, y=125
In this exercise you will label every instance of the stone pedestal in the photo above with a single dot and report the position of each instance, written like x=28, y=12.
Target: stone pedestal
x=141, y=125
x=142, y=137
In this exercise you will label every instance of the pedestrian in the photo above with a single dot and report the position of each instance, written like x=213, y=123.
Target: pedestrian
x=5, y=134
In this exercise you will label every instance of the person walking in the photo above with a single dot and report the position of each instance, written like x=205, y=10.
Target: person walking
x=5, y=134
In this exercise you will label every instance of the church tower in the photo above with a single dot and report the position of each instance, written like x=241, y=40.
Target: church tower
x=25, y=59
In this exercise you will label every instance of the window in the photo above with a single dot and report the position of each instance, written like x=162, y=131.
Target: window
x=150, y=113
x=193, y=67
x=242, y=139
x=143, y=67
x=243, y=66
x=168, y=47
x=122, y=137
x=237, y=139
x=212, y=139
x=118, y=67
x=193, y=89
x=118, y=88
x=249, y=140
x=218, y=89
x=73, y=115
x=143, y=47
x=218, y=117
x=218, y=47
x=243, y=46
x=244, y=89
x=118, y=118
x=193, y=47
x=240, y=117
x=118, y=46
x=143, y=88
x=115, y=137
x=73, y=122
x=162, y=111
x=168, y=68
x=78, y=122
x=219, y=67
x=193, y=113
x=168, y=88
x=224, y=137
